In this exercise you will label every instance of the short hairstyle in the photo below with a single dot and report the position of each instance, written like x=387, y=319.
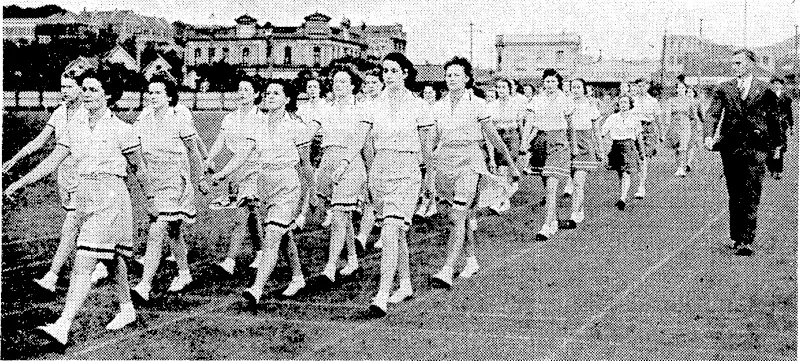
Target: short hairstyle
x=355, y=80
x=533, y=88
x=376, y=72
x=405, y=64
x=583, y=85
x=436, y=93
x=630, y=100
x=552, y=72
x=169, y=87
x=464, y=63
x=776, y=80
x=288, y=90
x=111, y=81
x=640, y=81
x=257, y=87
x=747, y=52
x=508, y=82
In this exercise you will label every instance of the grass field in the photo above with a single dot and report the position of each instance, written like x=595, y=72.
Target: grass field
x=652, y=282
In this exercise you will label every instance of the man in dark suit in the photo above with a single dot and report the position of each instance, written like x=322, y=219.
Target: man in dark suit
x=745, y=110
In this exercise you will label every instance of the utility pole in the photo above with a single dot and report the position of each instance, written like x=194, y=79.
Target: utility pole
x=700, y=52
x=744, y=31
x=471, y=25
x=663, y=55
x=796, y=53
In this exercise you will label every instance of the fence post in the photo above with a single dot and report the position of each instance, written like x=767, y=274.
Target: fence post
x=16, y=98
x=41, y=98
x=194, y=96
x=222, y=100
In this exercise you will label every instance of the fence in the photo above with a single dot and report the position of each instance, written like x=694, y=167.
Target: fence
x=129, y=101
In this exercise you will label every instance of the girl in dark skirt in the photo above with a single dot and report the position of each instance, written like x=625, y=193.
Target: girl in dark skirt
x=625, y=130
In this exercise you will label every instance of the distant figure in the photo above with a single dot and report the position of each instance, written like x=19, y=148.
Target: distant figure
x=749, y=134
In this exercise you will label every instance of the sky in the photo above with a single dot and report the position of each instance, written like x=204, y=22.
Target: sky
x=437, y=30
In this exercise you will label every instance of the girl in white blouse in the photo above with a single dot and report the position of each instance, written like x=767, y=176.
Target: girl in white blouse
x=625, y=130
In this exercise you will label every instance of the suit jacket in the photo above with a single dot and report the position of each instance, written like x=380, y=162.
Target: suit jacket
x=752, y=123
x=785, y=111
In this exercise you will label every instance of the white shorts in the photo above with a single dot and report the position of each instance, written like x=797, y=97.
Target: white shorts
x=173, y=194
x=458, y=172
x=394, y=183
x=343, y=195
x=105, y=219
x=279, y=195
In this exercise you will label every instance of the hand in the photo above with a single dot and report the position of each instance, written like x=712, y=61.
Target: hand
x=203, y=186
x=11, y=191
x=708, y=142
x=300, y=221
x=492, y=167
x=337, y=173
x=8, y=165
x=209, y=166
x=515, y=174
x=776, y=154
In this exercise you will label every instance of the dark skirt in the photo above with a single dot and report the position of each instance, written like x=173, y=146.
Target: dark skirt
x=624, y=157
x=649, y=139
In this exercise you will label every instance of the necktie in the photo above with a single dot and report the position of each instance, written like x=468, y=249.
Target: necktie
x=742, y=89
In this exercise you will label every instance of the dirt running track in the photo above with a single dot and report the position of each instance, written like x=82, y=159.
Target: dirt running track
x=652, y=282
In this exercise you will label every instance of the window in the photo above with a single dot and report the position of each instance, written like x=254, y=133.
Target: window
x=287, y=55
x=211, y=53
x=317, y=56
x=197, y=54
x=560, y=56
x=245, y=55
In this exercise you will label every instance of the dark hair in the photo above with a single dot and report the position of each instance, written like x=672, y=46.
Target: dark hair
x=464, y=63
x=257, y=87
x=376, y=72
x=533, y=88
x=630, y=100
x=552, y=72
x=511, y=89
x=112, y=82
x=583, y=84
x=747, y=52
x=169, y=87
x=355, y=80
x=776, y=80
x=288, y=90
x=435, y=91
x=319, y=82
x=405, y=64
x=640, y=81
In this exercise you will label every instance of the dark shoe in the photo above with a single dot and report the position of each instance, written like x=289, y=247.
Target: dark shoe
x=543, y=201
x=250, y=298
x=620, y=205
x=743, y=250
x=570, y=224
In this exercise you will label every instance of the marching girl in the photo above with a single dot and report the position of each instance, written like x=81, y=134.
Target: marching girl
x=310, y=109
x=427, y=204
x=507, y=113
x=685, y=122
x=102, y=146
x=373, y=86
x=584, y=146
x=339, y=124
x=625, y=130
x=242, y=187
x=167, y=137
x=277, y=144
x=548, y=112
x=463, y=122
x=649, y=112
x=70, y=108
x=401, y=129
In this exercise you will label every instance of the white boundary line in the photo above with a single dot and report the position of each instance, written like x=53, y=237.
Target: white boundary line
x=596, y=318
